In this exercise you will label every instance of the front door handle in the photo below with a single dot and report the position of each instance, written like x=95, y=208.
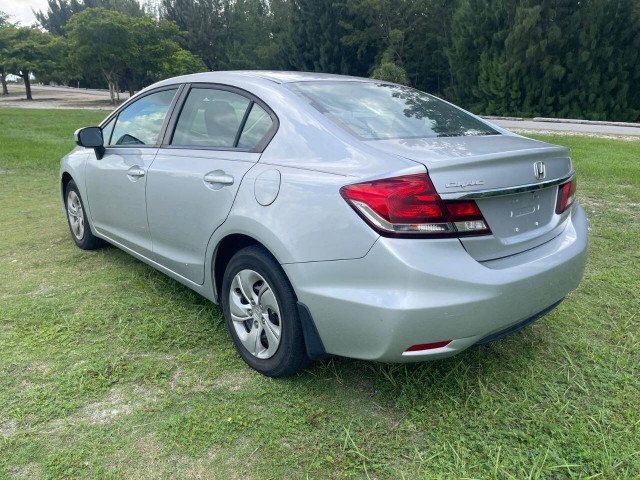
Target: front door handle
x=136, y=171
x=218, y=178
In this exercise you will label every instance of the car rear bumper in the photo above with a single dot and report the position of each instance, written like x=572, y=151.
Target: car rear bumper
x=411, y=291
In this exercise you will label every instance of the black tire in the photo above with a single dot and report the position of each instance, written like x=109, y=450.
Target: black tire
x=87, y=241
x=291, y=355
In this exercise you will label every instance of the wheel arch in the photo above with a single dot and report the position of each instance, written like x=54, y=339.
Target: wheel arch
x=64, y=181
x=225, y=250
x=227, y=247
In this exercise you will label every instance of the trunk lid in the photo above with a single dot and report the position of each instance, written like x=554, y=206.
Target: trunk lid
x=466, y=166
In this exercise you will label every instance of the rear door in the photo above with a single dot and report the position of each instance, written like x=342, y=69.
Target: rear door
x=116, y=182
x=212, y=141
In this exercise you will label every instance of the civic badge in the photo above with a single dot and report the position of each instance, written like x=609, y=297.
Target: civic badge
x=539, y=170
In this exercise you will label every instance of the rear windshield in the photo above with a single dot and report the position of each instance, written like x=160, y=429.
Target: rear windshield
x=377, y=111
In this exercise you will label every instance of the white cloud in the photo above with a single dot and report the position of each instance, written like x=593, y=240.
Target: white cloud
x=20, y=10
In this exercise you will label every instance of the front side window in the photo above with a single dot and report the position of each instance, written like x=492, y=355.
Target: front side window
x=106, y=131
x=210, y=118
x=141, y=122
x=378, y=111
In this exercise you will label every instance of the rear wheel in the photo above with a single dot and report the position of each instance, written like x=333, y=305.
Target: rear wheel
x=77, y=218
x=261, y=314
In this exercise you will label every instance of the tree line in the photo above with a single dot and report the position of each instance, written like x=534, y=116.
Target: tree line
x=98, y=43
x=560, y=58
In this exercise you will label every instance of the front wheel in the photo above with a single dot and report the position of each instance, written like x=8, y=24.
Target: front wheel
x=261, y=314
x=77, y=218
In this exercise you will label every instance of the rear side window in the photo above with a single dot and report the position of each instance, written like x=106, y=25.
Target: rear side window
x=256, y=127
x=140, y=123
x=378, y=111
x=210, y=118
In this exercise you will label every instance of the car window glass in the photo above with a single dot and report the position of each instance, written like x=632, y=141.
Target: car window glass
x=106, y=131
x=210, y=118
x=258, y=124
x=376, y=111
x=140, y=123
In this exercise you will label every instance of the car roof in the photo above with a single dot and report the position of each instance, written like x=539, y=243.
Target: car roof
x=288, y=77
x=270, y=75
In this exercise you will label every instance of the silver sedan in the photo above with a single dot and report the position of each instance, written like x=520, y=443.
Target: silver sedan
x=331, y=215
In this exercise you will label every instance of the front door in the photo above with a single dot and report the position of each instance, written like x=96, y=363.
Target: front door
x=194, y=179
x=116, y=183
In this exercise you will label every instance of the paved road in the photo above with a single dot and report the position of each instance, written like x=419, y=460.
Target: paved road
x=87, y=91
x=567, y=127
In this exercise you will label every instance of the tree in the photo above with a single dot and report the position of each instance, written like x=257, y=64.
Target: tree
x=59, y=67
x=231, y=34
x=5, y=31
x=311, y=40
x=203, y=22
x=182, y=62
x=547, y=58
x=100, y=40
x=4, y=20
x=58, y=12
x=427, y=39
x=390, y=72
x=246, y=35
x=380, y=25
x=154, y=52
x=132, y=50
x=28, y=52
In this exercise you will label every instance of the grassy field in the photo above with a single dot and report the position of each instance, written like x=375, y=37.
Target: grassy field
x=109, y=369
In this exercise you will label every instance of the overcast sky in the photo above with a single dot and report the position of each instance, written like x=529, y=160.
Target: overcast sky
x=20, y=10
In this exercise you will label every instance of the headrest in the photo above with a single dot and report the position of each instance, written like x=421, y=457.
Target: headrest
x=220, y=119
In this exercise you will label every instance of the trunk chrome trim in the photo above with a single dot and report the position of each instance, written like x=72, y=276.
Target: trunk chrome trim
x=495, y=192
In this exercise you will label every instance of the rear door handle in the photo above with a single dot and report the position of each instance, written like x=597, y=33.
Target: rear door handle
x=218, y=178
x=136, y=171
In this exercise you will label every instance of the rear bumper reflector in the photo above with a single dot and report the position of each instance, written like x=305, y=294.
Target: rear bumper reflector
x=427, y=346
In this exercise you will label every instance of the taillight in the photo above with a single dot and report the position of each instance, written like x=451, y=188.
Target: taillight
x=466, y=217
x=566, y=195
x=409, y=205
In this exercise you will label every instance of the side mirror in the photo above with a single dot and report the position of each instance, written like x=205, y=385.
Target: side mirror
x=90, y=137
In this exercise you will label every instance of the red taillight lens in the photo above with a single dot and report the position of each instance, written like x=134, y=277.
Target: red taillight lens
x=410, y=205
x=566, y=195
x=463, y=209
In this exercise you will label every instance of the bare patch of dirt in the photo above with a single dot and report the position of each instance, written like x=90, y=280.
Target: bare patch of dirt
x=29, y=472
x=592, y=204
x=200, y=468
x=120, y=402
x=173, y=383
x=232, y=381
x=43, y=290
x=150, y=453
x=45, y=97
x=107, y=410
x=629, y=208
x=8, y=427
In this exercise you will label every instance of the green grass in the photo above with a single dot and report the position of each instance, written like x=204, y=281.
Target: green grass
x=37, y=139
x=109, y=369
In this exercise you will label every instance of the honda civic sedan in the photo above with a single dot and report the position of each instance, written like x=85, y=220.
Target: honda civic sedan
x=331, y=215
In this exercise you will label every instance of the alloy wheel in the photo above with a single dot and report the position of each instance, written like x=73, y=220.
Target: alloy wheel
x=75, y=214
x=255, y=314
